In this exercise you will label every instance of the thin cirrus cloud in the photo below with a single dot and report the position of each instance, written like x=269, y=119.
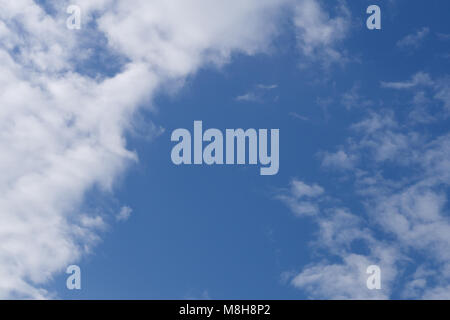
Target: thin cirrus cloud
x=414, y=40
x=260, y=94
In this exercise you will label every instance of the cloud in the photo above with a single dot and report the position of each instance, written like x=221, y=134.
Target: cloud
x=180, y=37
x=352, y=99
x=338, y=281
x=260, y=94
x=339, y=160
x=124, y=214
x=249, y=97
x=442, y=93
x=414, y=40
x=318, y=34
x=63, y=125
x=438, y=91
x=419, y=79
x=399, y=176
x=267, y=86
x=300, y=189
x=421, y=104
x=342, y=275
x=300, y=198
x=298, y=116
x=443, y=36
x=383, y=139
x=404, y=221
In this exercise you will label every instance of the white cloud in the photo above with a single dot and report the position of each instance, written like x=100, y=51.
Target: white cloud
x=298, y=116
x=63, y=131
x=415, y=39
x=383, y=138
x=412, y=213
x=338, y=281
x=260, y=94
x=442, y=93
x=419, y=79
x=267, y=86
x=439, y=89
x=439, y=293
x=176, y=38
x=318, y=34
x=300, y=189
x=339, y=160
x=352, y=99
x=124, y=213
x=338, y=230
x=249, y=97
x=301, y=198
x=401, y=180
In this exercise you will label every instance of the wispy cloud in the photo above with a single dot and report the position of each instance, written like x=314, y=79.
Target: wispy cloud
x=411, y=213
x=260, y=94
x=438, y=90
x=124, y=213
x=443, y=36
x=267, y=86
x=414, y=40
x=249, y=97
x=353, y=99
x=419, y=78
x=298, y=116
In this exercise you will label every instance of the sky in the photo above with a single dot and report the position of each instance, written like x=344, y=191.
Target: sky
x=87, y=117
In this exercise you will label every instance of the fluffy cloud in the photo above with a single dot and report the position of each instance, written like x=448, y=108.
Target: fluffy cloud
x=318, y=34
x=63, y=129
x=63, y=123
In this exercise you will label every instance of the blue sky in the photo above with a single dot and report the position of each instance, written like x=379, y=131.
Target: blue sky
x=363, y=119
